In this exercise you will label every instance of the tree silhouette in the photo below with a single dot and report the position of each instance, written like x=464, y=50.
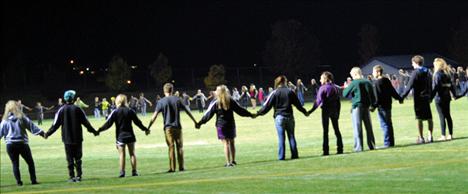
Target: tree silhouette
x=459, y=44
x=160, y=70
x=118, y=74
x=292, y=49
x=215, y=77
x=369, y=44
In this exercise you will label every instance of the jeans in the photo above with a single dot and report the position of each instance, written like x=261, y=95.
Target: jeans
x=97, y=113
x=14, y=150
x=286, y=125
x=300, y=95
x=333, y=116
x=385, y=118
x=360, y=115
x=74, y=152
x=143, y=110
x=443, y=108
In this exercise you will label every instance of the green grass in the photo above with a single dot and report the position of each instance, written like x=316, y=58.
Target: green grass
x=440, y=167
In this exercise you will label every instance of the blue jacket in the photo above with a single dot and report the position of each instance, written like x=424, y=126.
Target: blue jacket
x=14, y=129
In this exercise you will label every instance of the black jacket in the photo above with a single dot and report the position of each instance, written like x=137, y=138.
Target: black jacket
x=224, y=118
x=384, y=91
x=123, y=117
x=442, y=87
x=70, y=117
x=282, y=100
x=421, y=83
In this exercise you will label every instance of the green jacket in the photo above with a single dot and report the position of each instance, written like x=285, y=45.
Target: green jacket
x=362, y=92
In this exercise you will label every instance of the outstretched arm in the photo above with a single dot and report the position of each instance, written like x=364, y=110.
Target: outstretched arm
x=153, y=118
x=56, y=124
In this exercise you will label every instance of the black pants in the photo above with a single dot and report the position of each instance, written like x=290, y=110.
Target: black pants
x=74, y=152
x=443, y=108
x=14, y=151
x=200, y=107
x=326, y=116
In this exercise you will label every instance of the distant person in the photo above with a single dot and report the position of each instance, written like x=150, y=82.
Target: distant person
x=443, y=90
x=105, y=107
x=313, y=88
x=281, y=100
x=362, y=93
x=70, y=117
x=328, y=98
x=170, y=107
x=261, y=96
x=235, y=95
x=144, y=102
x=200, y=99
x=97, y=108
x=80, y=103
x=22, y=106
x=421, y=84
x=13, y=127
x=40, y=112
x=300, y=91
x=253, y=93
x=133, y=103
x=403, y=79
x=186, y=100
x=124, y=135
x=113, y=106
x=244, y=97
x=384, y=92
x=223, y=107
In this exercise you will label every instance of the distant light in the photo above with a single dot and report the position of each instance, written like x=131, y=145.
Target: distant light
x=87, y=69
x=173, y=81
x=72, y=62
x=106, y=69
x=92, y=72
x=134, y=66
x=129, y=82
x=81, y=72
x=255, y=65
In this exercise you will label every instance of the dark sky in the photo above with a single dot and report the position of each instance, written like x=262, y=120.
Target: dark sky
x=193, y=33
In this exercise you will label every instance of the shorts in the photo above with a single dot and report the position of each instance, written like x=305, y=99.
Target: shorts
x=422, y=109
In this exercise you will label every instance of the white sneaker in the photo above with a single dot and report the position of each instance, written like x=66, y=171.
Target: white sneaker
x=430, y=139
x=442, y=138
x=449, y=137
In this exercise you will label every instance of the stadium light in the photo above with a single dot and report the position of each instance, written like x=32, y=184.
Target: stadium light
x=72, y=62
x=81, y=72
x=129, y=82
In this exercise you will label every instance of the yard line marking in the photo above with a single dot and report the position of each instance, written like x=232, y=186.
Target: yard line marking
x=191, y=181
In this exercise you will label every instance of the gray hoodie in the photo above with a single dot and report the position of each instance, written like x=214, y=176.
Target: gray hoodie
x=14, y=129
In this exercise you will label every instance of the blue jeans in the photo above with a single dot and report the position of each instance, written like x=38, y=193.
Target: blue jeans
x=143, y=110
x=97, y=113
x=300, y=95
x=360, y=115
x=286, y=124
x=385, y=118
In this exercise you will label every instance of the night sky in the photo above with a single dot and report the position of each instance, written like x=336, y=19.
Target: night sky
x=200, y=34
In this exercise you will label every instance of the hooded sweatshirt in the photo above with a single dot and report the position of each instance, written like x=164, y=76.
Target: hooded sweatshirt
x=14, y=129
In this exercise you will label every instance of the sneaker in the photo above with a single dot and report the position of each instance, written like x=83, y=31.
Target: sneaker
x=234, y=162
x=442, y=138
x=122, y=174
x=19, y=183
x=135, y=173
x=34, y=183
x=325, y=154
x=71, y=180
x=78, y=179
x=170, y=171
x=181, y=169
x=420, y=140
x=339, y=152
x=449, y=137
x=430, y=139
x=228, y=165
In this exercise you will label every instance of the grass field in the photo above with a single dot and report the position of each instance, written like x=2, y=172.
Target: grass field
x=440, y=167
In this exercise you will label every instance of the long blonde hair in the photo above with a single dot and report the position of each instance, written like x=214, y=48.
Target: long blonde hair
x=223, y=97
x=440, y=65
x=121, y=100
x=12, y=107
